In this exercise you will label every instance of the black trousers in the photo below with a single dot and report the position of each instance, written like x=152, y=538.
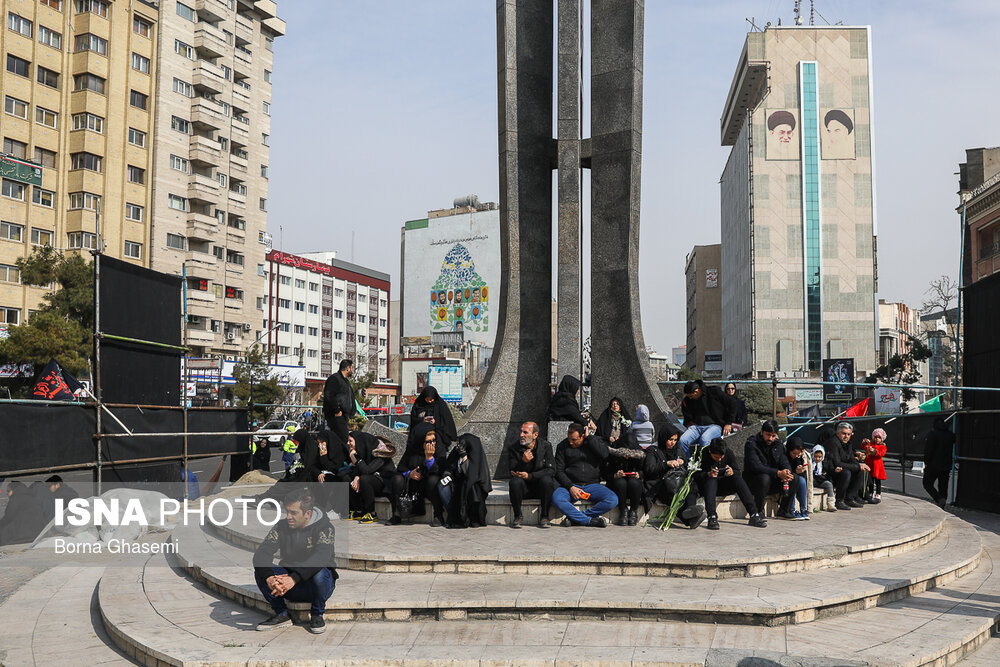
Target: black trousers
x=762, y=485
x=628, y=490
x=848, y=484
x=427, y=487
x=710, y=487
x=541, y=488
x=935, y=476
x=339, y=426
x=369, y=486
x=661, y=493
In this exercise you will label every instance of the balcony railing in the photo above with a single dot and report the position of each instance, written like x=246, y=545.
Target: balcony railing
x=989, y=250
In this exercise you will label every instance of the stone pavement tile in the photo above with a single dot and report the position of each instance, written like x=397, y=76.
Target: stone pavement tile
x=474, y=633
x=757, y=637
x=451, y=655
x=639, y=633
x=552, y=591
x=645, y=656
x=988, y=655
x=298, y=636
x=615, y=592
x=594, y=656
x=387, y=633
x=401, y=591
x=521, y=633
x=519, y=656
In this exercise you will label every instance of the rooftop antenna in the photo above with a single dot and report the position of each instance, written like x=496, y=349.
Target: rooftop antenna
x=753, y=25
x=812, y=12
x=798, y=12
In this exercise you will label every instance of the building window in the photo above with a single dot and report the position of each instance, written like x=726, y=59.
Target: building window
x=49, y=37
x=269, y=44
x=178, y=163
x=284, y=303
x=299, y=329
x=285, y=280
x=234, y=293
x=41, y=237
x=90, y=42
x=339, y=314
x=19, y=24
x=233, y=257
x=84, y=200
x=183, y=87
x=140, y=63
x=42, y=197
x=300, y=306
x=239, y=189
x=88, y=161
x=362, y=339
x=16, y=148
x=382, y=323
x=137, y=137
x=267, y=76
x=10, y=315
x=10, y=231
x=227, y=72
x=299, y=283
x=15, y=107
x=88, y=81
x=223, y=179
x=313, y=287
x=133, y=250
x=362, y=319
x=99, y=7
x=138, y=100
x=46, y=117
x=18, y=66
x=219, y=252
x=313, y=309
x=54, y=4
x=262, y=204
x=177, y=203
x=84, y=240
x=181, y=125
x=133, y=212
x=381, y=342
x=45, y=157
x=141, y=27
x=186, y=12
x=47, y=77
x=175, y=241
x=313, y=331
x=9, y=274
x=183, y=49
x=338, y=335
x=266, y=108
x=263, y=170
x=265, y=139
x=312, y=353
x=136, y=175
x=88, y=121
x=13, y=190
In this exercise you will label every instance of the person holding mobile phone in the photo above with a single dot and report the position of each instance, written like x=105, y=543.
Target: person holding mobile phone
x=578, y=464
x=622, y=474
x=720, y=474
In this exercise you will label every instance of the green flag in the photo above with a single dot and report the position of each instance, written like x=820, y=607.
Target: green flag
x=933, y=405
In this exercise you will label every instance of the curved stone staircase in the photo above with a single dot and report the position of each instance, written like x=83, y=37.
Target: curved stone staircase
x=902, y=583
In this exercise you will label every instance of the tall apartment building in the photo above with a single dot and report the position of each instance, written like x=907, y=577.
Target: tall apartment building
x=704, y=310
x=798, y=194
x=321, y=309
x=78, y=88
x=899, y=325
x=212, y=127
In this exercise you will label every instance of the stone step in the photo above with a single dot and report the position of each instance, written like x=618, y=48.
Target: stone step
x=987, y=655
x=897, y=525
x=767, y=600
x=52, y=620
x=175, y=621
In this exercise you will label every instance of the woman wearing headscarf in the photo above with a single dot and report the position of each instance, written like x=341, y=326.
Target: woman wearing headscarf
x=466, y=483
x=642, y=429
x=563, y=405
x=613, y=422
x=370, y=474
x=431, y=408
x=739, y=406
x=665, y=470
x=622, y=473
x=24, y=517
x=420, y=469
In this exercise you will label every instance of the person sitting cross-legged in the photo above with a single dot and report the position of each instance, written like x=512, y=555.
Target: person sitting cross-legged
x=578, y=463
x=306, y=571
x=766, y=468
x=708, y=413
x=848, y=470
x=532, y=474
x=721, y=474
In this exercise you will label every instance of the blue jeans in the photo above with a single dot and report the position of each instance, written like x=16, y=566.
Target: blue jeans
x=801, y=493
x=603, y=499
x=703, y=435
x=315, y=591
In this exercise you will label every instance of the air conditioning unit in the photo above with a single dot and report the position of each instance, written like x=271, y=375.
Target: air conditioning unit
x=194, y=319
x=246, y=326
x=231, y=335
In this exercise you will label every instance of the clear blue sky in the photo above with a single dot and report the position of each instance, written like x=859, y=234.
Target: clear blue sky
x=384, y=109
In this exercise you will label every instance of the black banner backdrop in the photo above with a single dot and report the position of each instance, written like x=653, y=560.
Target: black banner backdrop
x=144, y=305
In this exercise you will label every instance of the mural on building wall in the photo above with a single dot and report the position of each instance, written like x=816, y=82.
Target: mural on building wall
x=837, y=134
x=782, y=134
x=460, y=296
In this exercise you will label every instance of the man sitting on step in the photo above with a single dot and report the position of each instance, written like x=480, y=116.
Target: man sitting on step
x=306, y=571
x=578, y=472
x=848, y=471
x=720, y=475
x=532, y=474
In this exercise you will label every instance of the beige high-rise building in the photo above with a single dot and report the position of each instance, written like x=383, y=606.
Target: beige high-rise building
x=703, y=278
x=212, y=131
x=78, y=88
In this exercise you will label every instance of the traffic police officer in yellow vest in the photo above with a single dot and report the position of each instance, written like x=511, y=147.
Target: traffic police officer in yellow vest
x=289, y=448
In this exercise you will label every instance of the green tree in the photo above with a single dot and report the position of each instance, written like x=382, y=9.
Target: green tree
x=903, y=369
x=63, y=327
x=360, y=384
x=759, y=399
x=687, y=374
x=255, y=384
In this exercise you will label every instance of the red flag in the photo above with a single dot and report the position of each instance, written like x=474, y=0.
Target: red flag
x=859, y=409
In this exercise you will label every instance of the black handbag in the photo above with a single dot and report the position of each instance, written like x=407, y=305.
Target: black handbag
x=407, y=502
x=674, y=479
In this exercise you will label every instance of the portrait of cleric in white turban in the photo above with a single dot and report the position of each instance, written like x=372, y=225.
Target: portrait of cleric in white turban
x=782, y=134
x=837, y=132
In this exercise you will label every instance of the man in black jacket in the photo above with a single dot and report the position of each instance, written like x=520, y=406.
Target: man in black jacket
x=306, y=571
x=338, y=399
x=848, y=472
x=578, y=471
x=532, y=473
x=708, y=414
x=938, y=452
x=766, y=468
x=720, y=473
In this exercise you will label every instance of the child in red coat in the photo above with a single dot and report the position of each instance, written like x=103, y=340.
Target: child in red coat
x=874, y=453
